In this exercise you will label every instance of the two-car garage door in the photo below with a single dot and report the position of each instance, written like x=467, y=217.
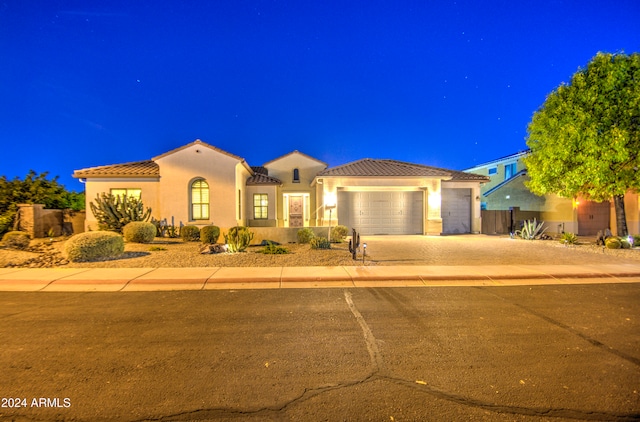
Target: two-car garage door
x=388, y=212
x=381, y=212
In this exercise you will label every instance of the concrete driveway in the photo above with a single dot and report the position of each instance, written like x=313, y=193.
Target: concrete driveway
x=483, y=250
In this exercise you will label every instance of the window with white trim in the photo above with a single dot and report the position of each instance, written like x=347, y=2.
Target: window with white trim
x=260, y=206
x=200, y=200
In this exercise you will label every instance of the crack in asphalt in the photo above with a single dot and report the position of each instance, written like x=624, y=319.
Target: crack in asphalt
x=380, y=373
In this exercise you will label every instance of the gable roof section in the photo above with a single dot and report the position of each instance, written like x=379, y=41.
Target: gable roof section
x=137, y=169
x=497, y=161
x=295, y=152
x=368, y=167
x=202, y=144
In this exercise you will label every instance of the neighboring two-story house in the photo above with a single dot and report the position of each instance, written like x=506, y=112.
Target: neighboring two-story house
x=506, y=191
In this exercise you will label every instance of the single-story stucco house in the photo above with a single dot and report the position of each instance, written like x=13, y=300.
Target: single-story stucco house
x=199, y=184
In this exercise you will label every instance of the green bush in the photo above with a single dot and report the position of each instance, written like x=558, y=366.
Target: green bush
x=636, y=240
x=272, y=249
x=6, y=220
x=569, y=238
x=238, y=239
x=209, y=234
x=624, y=243
x=338, y=233
x=320, y=243
x=190, y=233
x=139, y=232
x=613, y=243
x=305, y=235
x=16, y=240
x=91, y=246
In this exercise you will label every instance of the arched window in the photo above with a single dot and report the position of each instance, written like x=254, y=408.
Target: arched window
x=296, y=176
x=200, y=200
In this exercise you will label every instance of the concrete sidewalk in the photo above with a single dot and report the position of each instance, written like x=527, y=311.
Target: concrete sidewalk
x=207, y=278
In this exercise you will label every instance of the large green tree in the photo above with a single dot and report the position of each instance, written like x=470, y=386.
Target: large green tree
x=585, y=138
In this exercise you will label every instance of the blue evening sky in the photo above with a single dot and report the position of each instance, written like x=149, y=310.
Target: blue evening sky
x=444, y=83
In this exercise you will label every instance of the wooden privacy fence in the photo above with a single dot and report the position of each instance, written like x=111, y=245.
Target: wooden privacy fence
x=505, y=221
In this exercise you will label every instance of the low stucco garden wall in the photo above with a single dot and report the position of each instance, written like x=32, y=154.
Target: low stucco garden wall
x=283, y=234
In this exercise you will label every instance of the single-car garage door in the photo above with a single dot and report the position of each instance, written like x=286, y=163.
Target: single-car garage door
x=373, y=213
x=456, y=211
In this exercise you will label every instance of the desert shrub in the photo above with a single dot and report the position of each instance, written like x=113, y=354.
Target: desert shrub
x=636, y=240
x=209, y=234
x=531, y=230
x=569, y=238
x=338, y=233
x=273, y=249
x=238, y=239
x=624, y=243
x=613, y=243
x=157, y=248
x=91, y=246
x=16, y=240
x=305, y=235
x=139, y=232
x=320, y=243
x=190, y=233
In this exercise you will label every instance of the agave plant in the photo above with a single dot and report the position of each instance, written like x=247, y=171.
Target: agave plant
x=531, y=230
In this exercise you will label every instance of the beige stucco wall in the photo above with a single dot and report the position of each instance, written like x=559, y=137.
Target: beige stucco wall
x=328, y=189
x=498, y=177
x=271, y=191
x=149, y=195
x=632, y=211
x=476, y=216
x=221, y=171
x=282, y=169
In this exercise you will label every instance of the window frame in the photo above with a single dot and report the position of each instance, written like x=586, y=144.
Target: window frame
x=126, y=192
x=510, y=170
x=260, y=208
x=204, y=196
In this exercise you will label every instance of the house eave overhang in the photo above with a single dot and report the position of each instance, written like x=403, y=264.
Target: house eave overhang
x=504, y=183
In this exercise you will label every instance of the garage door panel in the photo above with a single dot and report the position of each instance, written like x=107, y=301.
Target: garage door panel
x=456, y=211
x=381, y=212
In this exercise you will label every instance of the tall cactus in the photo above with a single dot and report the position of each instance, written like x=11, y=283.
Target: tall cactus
x=115, y=212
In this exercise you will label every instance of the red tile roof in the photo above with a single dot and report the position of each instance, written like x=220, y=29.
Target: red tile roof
x=262, y=179
x=142, y=169
x=368, y=167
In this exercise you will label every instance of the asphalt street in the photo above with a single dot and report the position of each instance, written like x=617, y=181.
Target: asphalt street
x=525, y=353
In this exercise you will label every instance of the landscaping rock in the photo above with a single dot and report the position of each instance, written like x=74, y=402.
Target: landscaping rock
x=214, y=248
